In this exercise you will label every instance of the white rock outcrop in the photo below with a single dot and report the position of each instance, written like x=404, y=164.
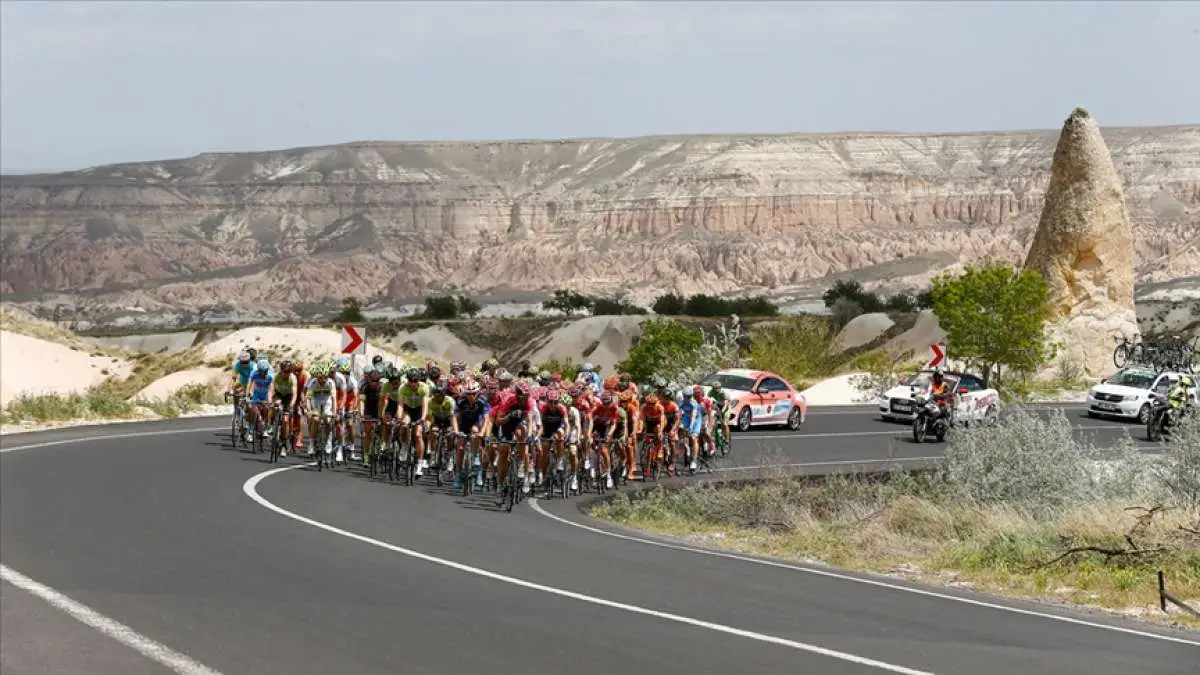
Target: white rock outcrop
x=1084, y=248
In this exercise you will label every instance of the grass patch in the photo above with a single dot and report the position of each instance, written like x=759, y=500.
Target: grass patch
x=1093, y=529
x=59, y=407
x=186, y=399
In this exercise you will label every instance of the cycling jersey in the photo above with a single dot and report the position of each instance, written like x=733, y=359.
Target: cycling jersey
x=605, y=416
x=260, y=385
x=370, y=396
x=670, y=411
x=652, y=411
x=691, y=416
x=413, y=396
x=243, y=371
x=320, y=387
x=285, y=385
x=553, y=415
x=471, y=415
x=443, y=410
x=718, y=398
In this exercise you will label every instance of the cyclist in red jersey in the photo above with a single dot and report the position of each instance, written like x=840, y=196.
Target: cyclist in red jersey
x=513, y=420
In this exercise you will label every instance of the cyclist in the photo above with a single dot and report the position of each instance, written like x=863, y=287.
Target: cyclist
x=705, y=442
x=414, y=404
x=573, y=435
x=670, y=421
x=441, y=418
x=553, y=415
x=627, y=395
x=589, y=377
x=261, y=383
x=513, y=420
x=285, y=395
x=720, y=402
x=390, y=387
x=343, y=380
x=370, y=401
x=321, y=392
x=472, y=413
x=691, y=421
x=609, y=424
x=298, y=410
x=652, y=415
x=243, y=367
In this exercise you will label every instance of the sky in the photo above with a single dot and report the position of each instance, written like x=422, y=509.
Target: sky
x=83, y=84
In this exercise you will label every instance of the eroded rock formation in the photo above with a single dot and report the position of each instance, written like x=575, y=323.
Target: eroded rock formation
x=753, y=214
x=1084, y=247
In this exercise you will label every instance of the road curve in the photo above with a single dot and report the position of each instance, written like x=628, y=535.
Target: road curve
x=210, y=556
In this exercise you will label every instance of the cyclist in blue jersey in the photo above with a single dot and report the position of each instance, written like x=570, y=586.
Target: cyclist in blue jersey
x=243, y=368
x=691, y=421
x=261, y=383
x=473, y=420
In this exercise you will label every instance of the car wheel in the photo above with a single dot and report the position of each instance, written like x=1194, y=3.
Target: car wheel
x=743, y=419
x=992, y=417
x=793, y=420
x=1092, y=414
x=1144, y=414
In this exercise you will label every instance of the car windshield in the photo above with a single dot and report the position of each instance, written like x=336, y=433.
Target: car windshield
x=1138, y=379
x=729, y=381
x=921, y=380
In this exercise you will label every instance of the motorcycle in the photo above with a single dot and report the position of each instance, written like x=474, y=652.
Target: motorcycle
x=930, y=419
x=1162, y=418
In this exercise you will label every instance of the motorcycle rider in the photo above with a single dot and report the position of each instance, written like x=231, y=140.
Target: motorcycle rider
x=1179, y=396
x=940, y=392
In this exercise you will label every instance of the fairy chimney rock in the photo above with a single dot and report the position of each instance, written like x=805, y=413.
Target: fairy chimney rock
x=1084, y=249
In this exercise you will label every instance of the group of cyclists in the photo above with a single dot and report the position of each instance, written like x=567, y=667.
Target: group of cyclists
x=611, y=422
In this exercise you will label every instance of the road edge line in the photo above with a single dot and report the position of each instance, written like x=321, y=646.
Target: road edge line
x=250, y=488
x=148, y=647
x=533, y=504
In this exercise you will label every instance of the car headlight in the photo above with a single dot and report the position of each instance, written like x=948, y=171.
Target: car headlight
x=1132, y=398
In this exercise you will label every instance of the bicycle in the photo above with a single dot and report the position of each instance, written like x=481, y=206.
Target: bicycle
x=238, y=424
x=472, y=464
x=324, y=430
x=557, y=476
x=1126, y=352
x=510, y=491
x=405, y=455
x=443, y=455
x=651, y=457
x=278, y=437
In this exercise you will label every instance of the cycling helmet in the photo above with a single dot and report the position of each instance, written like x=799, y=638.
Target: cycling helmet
x=264, y=364
x=435, y=372
x=566, y=399
x=343, y=365
x=244, y=357
x=658, y=381
x=606, y=398
x=457, y=366
x=716, y=386
x=625, y=379
x=373, y=375
x=491, y=364
x=687, y=393
x=506, y=376
x=377, y=359
x=416, y=375
x=588, y=367
x=522, y=389
x=252, y=352
x=697, y=391
x=285, y=365
x=472, y=387
x=543, y=378
x=439, y=390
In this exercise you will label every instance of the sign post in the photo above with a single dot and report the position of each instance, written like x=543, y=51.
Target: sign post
x=939, y=355
x=354, y=342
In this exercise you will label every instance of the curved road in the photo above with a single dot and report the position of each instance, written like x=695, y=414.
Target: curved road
x=177, y=553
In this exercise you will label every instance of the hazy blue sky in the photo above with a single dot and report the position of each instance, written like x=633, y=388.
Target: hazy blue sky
x=90, y=83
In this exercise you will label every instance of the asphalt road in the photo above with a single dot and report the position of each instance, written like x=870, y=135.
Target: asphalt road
x=193, y=553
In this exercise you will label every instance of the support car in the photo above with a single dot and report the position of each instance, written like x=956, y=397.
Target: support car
x=759, y=398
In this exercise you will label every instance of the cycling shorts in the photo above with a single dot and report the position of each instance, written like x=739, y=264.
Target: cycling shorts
x=693, y=425
x=551, y=428
x=652, y=426
x=351, y=399
x=323, y=405
x=413, y=414
x=443, y=424
x=283, y=398
x=391, y=409
x=508, y=428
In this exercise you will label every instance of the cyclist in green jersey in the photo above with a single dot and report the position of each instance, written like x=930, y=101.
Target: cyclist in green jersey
x=414, y=407
x=389, y=400
x=720, y=407
x=441, y=417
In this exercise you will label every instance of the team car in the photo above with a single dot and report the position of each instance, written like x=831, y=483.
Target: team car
x=974, y=401
x=1126, y=393
x=759, y=398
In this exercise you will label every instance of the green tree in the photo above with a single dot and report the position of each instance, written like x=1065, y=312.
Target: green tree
x=351, y=311
x=849, y=289
x=756, y=306
x=440, y=307
x=567, y=302
x=994, y=314
x=901, y=302
x=666, y=347
x=669, y=305
x=466, y=306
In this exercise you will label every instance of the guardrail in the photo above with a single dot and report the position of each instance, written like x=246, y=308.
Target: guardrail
x=1169, y=353
x=1164, y=598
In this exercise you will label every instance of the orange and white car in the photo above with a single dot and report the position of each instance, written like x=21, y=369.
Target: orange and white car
x=759, y=398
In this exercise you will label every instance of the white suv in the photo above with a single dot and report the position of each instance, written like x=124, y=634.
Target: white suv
x=1126, y=393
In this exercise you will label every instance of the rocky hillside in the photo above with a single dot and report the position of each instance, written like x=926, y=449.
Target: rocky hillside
x=643, y=216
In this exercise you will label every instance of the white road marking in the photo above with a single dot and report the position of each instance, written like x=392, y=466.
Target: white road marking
x=533, y=503
x=839, y=462
x=899, y=431
x=155, y=651
x=109, y=437
x=251, y=485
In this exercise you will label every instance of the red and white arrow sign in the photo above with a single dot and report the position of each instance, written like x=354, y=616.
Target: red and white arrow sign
x=354, y=339
x=939, y=355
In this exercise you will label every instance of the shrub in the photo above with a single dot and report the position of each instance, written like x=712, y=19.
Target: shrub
x=1040, y=464
x=567, y=302
x=467, y=306
x=440, y=307
x=796, y=348
x=1180, y=472
x=351, y=311
x=569, y=369
x=665, y=347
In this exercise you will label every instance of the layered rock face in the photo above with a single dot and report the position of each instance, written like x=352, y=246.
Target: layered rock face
x=1084, y=247
x=643, y=216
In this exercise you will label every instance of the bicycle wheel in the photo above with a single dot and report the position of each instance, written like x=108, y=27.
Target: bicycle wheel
x=1121, y=355
x=439, y=458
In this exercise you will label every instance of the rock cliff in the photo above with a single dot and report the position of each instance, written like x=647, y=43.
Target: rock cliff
x=640, y=216
x=1084, y=247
